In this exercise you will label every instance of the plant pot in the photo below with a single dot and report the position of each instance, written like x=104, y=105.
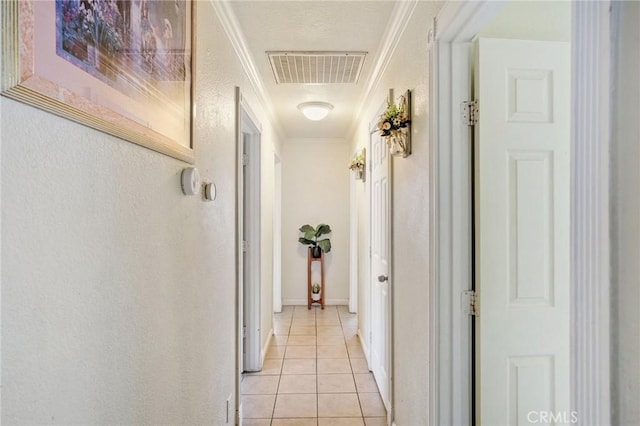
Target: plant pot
x=315, y=296
x=316, y=252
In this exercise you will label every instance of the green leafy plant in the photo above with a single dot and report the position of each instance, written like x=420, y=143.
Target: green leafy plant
x=315, y=288
x=312, y=234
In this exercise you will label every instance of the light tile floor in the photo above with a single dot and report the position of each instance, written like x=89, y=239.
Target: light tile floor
x=314, y=374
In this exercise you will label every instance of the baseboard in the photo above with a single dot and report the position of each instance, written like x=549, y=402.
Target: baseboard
x=303, y=302
x=365, y=349
x=266, y=345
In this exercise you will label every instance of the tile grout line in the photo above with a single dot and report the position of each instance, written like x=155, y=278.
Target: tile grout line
x=315, y=318
x=349, y=357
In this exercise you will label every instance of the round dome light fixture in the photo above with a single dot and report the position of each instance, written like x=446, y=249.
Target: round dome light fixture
x=315, y=111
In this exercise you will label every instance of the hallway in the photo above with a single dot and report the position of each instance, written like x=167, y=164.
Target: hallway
x=314, y=373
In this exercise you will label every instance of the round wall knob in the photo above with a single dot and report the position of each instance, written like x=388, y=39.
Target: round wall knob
x=190, y=181
x=383, y=278
x=210, y=191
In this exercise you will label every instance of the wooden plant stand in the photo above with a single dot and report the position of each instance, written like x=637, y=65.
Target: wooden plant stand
x=310, y=260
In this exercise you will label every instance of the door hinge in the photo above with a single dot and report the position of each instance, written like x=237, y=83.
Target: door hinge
x=469, y=112
x=470, y=303
x=244, y=331
x=245, y=159
x=245, y=244
x=237, y=419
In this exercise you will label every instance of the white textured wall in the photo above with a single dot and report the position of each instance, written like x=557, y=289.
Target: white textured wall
x=531, y=20
x=407, y=70
x=315, y=189
x=626, y=220
x=118, y=292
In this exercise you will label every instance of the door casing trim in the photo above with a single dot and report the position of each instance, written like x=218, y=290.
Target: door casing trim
x=450, y=213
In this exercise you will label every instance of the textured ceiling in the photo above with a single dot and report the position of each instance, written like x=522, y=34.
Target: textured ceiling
x=313, y=26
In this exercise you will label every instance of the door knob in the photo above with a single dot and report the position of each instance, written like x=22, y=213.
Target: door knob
x=383, y=278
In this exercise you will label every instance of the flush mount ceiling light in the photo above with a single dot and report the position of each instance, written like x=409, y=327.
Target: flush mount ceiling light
x=315, y=111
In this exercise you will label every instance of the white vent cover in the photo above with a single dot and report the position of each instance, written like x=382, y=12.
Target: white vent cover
x=316, y=67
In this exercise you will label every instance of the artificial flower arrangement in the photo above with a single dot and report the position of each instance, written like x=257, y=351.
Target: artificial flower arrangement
x=394, y=126
x=394, y=119
x=358, y=163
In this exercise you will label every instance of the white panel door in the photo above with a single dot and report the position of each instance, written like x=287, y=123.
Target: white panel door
x=251, y=254
x=522, y=232
x=380, y=297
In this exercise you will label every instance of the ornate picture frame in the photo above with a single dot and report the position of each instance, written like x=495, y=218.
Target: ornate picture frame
x=122, y=67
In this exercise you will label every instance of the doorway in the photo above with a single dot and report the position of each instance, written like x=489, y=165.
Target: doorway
x=277, y=234
x=452, y=263
x=249, y=297
x=380, y=267
x=380, y=263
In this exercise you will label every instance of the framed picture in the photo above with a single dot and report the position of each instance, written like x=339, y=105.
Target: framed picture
x=123, y=67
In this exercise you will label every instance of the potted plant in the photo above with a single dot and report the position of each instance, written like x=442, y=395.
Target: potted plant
x=311, y=236
x=315, y=291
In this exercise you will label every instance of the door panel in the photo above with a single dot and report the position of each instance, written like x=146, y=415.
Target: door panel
x=522, y=230
x=380, y=297
x=251, y=255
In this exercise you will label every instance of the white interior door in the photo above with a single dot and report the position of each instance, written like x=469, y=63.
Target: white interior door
x=522, y=232
x=380, y=261
x=277, y=234
x=252, y=356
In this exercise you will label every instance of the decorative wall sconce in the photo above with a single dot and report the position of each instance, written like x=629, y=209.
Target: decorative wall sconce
x=395, y=126
x=359, y=163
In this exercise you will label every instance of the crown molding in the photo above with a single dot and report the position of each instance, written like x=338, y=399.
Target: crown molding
x=232, y=29
x=402, y=12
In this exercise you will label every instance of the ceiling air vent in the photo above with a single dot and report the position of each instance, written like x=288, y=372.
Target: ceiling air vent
x=316, y=67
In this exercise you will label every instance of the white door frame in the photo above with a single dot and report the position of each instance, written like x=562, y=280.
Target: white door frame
x=246, y=122
x=353, y=247
x=450, y=214
x=252, y=273
x=249, y=145
x=277, y=234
